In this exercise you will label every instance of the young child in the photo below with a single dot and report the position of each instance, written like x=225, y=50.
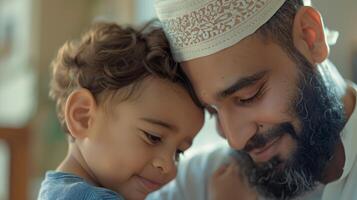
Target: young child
x=128, y=113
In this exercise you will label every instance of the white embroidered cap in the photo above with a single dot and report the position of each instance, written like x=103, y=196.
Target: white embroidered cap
x=197, y=28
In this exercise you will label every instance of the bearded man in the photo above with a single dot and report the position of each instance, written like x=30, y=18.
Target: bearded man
x=261, y=68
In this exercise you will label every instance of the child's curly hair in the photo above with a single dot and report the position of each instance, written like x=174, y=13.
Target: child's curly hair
x=110, y=59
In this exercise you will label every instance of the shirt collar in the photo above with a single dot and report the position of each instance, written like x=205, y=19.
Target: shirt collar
x=349, y=137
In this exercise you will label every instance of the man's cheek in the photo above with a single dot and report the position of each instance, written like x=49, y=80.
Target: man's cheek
x=287, y=147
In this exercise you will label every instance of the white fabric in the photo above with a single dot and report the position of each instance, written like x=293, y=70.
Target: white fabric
x=191, y=182
x=197, y=28
x=331, y=36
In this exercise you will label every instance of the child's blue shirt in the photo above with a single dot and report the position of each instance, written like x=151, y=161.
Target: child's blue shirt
x=66, y=186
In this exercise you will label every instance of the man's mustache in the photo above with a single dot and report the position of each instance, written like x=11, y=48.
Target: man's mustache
x=259, y=140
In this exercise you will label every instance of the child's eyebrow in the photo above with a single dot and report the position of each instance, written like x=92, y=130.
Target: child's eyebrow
x=159, y=122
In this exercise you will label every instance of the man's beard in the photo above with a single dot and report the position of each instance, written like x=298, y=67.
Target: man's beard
x=321, y=116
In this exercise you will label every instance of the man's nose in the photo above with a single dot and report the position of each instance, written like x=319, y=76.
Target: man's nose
x=237, y=128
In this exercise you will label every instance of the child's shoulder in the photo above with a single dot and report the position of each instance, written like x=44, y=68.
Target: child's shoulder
x=60, y=185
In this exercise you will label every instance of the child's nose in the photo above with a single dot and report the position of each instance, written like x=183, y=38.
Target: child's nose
x=166, y=165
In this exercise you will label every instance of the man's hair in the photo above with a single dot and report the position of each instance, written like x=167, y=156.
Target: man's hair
x=279, y=28
x=111, y=61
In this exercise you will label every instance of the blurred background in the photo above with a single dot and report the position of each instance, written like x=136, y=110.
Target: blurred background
x=31, y=31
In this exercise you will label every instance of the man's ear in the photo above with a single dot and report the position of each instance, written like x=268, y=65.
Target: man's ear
x=79, y=112
x=309, y=36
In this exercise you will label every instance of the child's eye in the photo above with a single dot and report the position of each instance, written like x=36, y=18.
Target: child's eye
x=178, y=153
x=153, y=139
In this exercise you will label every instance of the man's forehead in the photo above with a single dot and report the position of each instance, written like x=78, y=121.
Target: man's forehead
x=242, y=59
x=208, y=82
x=201, y=73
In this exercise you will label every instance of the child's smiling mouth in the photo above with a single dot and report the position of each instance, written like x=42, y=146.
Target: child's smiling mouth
x=148, y=184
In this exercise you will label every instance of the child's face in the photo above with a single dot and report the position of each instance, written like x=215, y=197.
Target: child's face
x=132, y=150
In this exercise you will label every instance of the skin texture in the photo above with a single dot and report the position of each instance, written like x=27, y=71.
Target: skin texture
x=133, y=147
x=249, y=87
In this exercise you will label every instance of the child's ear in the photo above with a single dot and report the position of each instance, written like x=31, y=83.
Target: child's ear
x=79, y=112
x=308, y=34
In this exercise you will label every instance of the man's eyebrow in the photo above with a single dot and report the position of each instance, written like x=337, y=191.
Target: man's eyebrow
x=159, y=123
x=242, y=83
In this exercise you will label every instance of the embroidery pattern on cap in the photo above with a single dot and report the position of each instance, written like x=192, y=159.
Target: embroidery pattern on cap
x=211, y=20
